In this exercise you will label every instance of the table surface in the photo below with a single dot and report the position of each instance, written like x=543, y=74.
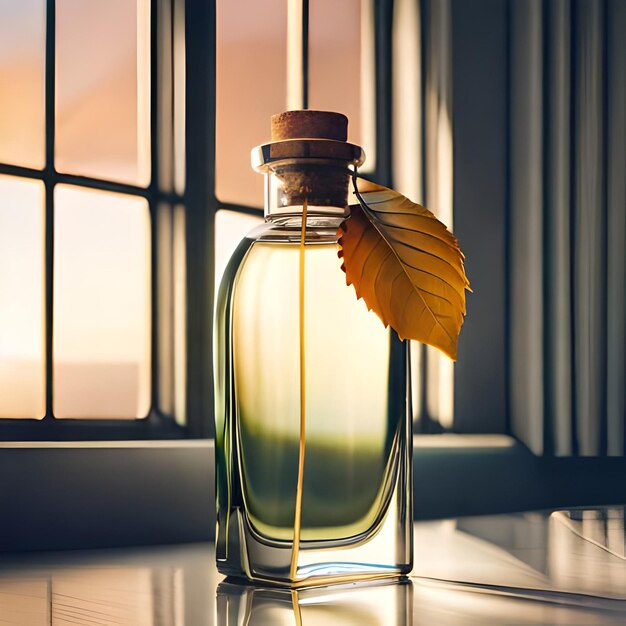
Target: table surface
x=564, y=567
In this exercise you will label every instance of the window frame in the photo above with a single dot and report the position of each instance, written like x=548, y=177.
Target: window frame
x=200, y=204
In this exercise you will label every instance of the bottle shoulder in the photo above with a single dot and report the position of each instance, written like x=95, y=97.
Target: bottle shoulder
x=272, y=248
x=289, y=231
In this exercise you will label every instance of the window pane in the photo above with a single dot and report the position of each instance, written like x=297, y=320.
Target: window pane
x=335, y=60
x=342, y=67
x=251, y=87
x=230, y=228
x=22, y=54
x=179, y=98
x=172, y=311
x=439, y=179
x=102, y=89
x=171, y=95
x=101, y=305
x=22, y=313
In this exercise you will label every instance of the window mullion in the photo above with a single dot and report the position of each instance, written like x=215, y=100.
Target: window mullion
x=89, y=182
x=153, y=195
x=298, y=54
x=200, y=37
x=49, y=195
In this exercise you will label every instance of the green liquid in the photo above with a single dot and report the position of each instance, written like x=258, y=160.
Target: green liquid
x=351, y=423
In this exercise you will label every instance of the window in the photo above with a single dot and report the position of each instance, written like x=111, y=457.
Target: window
x=93, y=210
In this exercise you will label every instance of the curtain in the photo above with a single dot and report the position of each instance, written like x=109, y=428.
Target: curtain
x=567, y=218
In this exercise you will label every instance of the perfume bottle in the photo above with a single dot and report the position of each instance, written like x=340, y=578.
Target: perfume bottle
x=313, y=426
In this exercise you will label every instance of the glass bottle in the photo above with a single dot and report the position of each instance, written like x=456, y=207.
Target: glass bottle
x=313, y=426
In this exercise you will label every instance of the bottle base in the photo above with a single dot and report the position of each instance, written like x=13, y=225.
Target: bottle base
x=384, y=553
x=330, y=581
x=318, y=581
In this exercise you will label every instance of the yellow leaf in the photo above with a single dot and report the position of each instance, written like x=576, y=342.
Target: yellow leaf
x=406, y=265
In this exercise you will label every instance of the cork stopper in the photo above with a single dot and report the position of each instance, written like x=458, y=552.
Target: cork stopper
x=308, y=124
x=310, y=156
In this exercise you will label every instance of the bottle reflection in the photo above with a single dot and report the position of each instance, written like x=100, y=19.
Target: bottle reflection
x=359, y=604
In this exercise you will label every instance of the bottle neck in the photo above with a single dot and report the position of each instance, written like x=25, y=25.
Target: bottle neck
x=323, y=186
